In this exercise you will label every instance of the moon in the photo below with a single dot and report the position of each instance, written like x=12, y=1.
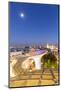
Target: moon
x=22, y=15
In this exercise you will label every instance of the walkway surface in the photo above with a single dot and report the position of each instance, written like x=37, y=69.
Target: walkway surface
x=33, y=79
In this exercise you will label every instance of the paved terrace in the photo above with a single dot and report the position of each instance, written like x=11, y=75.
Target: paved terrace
x=34, y=78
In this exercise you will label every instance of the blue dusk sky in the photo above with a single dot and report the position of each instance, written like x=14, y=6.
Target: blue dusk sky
x=33, y=23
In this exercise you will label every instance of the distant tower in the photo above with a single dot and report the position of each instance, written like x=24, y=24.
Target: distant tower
x=52, y=47
x=47, y=45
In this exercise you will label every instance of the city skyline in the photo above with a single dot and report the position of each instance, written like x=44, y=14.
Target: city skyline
x=33, y=23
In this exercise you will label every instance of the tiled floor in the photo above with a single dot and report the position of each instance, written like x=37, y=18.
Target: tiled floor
x=34, y=80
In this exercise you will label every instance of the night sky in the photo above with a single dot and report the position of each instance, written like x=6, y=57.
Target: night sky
x=33, y=23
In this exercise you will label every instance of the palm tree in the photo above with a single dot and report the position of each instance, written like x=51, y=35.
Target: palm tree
x=49, y=61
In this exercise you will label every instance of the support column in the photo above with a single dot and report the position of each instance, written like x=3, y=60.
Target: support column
x=37, y=62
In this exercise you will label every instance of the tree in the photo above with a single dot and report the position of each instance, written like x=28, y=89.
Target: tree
x=49, y=61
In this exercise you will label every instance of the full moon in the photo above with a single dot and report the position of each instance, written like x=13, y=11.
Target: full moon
x=22, y=15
